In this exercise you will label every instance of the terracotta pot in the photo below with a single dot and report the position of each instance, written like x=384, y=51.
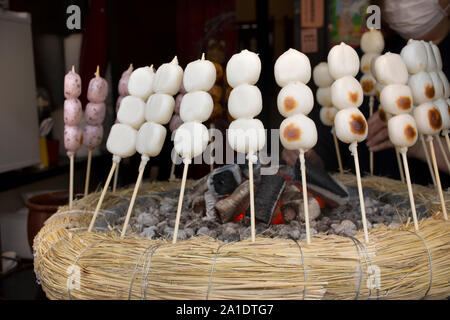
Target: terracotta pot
x=42, y=207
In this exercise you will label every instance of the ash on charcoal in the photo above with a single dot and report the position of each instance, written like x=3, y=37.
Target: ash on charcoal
x=154, y=217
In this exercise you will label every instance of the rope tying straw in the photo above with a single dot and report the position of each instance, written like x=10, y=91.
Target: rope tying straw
x=429, y=259
x=358, y=288
x=144, y=280
x=212, y=269
x=135, y=269
x=69, y=283
x=377, y=284
x=303, y=264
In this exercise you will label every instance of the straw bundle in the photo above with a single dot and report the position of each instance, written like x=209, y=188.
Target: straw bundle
x=397, y=263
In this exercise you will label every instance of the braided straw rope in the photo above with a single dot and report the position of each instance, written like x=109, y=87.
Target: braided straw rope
x=394, y=265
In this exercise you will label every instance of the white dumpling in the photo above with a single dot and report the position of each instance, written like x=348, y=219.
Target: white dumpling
x=196, y=106
x=122, y=140
x=159, y=108
x=422, y=87
x=140, y=83
x=383, y=115
x=323, y=97
x=131, y=111
x=321, y=75
x=373, y=71
x=444, y=109
x=366, y=61
x=246, y=135
x=415, y=57
x=327, y=115
x=372, y=41
x=191, y=139
x=295, y=98
x=298, y=132
x=150, y=139
x=402, y=131
x=346, y=92
x=396, y=98
x=368, y=83
x=350, y=125
x=243, y=67
x=292, y=66
x=431, y=60
x=439, y=90
x=343, y=61
x=428, y=119
x=199, y=75
x=445, y=84
x=245, y=101
x=168, y=78
x=437, y=56
x=378, y=88
x=390, y=69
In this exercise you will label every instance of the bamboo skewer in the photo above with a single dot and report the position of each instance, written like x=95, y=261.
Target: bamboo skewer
x=438, y=179
x=71, y=181
x=410, y=191
x=133, y=199
x=172, y=172
x=445, y=132
x=116, y=177
x=252, y=197
x=305, y=196
x=400, y=167
x=180, y=202
x=102, y=196
x=338, y=152
x=354, y=150
x=427, y=156
x=444, y=154
x=88, y=173
x=371, y=102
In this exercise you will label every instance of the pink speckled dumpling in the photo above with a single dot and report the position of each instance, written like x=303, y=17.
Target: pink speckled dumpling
x=92, y=136
x=72, y=85
x=98, y=90
x=95, y=113
x=73, y=139
x=73, y=112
